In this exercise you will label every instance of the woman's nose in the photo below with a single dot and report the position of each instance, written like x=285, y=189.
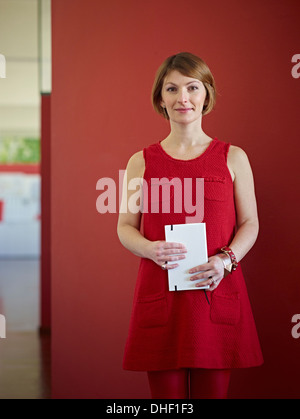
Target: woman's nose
x=182, y=96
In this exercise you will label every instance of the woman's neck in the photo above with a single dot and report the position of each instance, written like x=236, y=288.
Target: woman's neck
x=187, y=135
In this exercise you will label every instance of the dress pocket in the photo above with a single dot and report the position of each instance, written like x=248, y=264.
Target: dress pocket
x=225, y=309
x=214, y=188
x=152, y=311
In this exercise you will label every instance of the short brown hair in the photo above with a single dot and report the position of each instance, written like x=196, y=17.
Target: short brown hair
x=190, y=66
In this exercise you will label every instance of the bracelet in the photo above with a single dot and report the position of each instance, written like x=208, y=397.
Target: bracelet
x=229, y=252
x=226, y=267
x=223, y=262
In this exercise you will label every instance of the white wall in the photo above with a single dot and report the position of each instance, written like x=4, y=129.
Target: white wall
x=20, y=221
x=19, y=91
x=20, y=117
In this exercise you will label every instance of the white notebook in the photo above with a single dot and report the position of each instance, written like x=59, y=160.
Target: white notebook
x=193, y=236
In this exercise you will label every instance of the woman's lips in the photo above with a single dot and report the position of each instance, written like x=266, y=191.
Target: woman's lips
x=183, y=110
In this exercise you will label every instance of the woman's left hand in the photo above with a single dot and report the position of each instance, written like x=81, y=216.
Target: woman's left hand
x=212, y=272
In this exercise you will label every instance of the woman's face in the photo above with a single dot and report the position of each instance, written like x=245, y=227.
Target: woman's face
x=183, y=97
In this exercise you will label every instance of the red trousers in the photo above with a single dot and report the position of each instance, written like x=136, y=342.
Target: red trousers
x=189, y=384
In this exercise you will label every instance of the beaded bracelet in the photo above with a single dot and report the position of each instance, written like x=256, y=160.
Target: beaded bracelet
x=229, y=252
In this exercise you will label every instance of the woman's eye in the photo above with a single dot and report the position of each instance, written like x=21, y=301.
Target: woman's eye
x=171, y=89
x=193, y=87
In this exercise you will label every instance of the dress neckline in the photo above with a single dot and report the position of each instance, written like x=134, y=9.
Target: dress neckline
x=188, y=160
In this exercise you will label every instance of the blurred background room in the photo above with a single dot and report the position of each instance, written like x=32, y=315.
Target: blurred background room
x=24, y=26
x=75, y=86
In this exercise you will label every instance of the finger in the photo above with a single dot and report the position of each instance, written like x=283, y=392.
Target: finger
x=202, y=275
x=213, y=283
x=170, y=258
x=173, y=251
x=204, y=267
x=213, y=286
x=204, y=283
x=171, y=266
x=166, y=266
x=173, y=245
x=166, y=249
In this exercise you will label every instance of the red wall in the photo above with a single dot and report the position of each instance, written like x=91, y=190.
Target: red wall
x=105, y=54
x=45, y=265
x=20, y=168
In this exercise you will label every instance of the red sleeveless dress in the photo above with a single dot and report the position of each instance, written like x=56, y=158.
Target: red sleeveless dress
x=169, y=329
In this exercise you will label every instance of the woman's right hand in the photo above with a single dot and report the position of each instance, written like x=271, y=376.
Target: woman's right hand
x=162, y=253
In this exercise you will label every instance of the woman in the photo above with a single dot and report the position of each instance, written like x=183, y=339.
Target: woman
x=188, y=341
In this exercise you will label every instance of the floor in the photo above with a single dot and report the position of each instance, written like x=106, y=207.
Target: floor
x=24, y=352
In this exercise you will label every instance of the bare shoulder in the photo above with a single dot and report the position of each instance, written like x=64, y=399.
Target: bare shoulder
x=136, y=165
x=237, y=154
x=237, y=161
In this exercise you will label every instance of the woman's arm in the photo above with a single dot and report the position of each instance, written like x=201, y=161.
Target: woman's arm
x=245, y=203
x=129, y=223
x=247, y=218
